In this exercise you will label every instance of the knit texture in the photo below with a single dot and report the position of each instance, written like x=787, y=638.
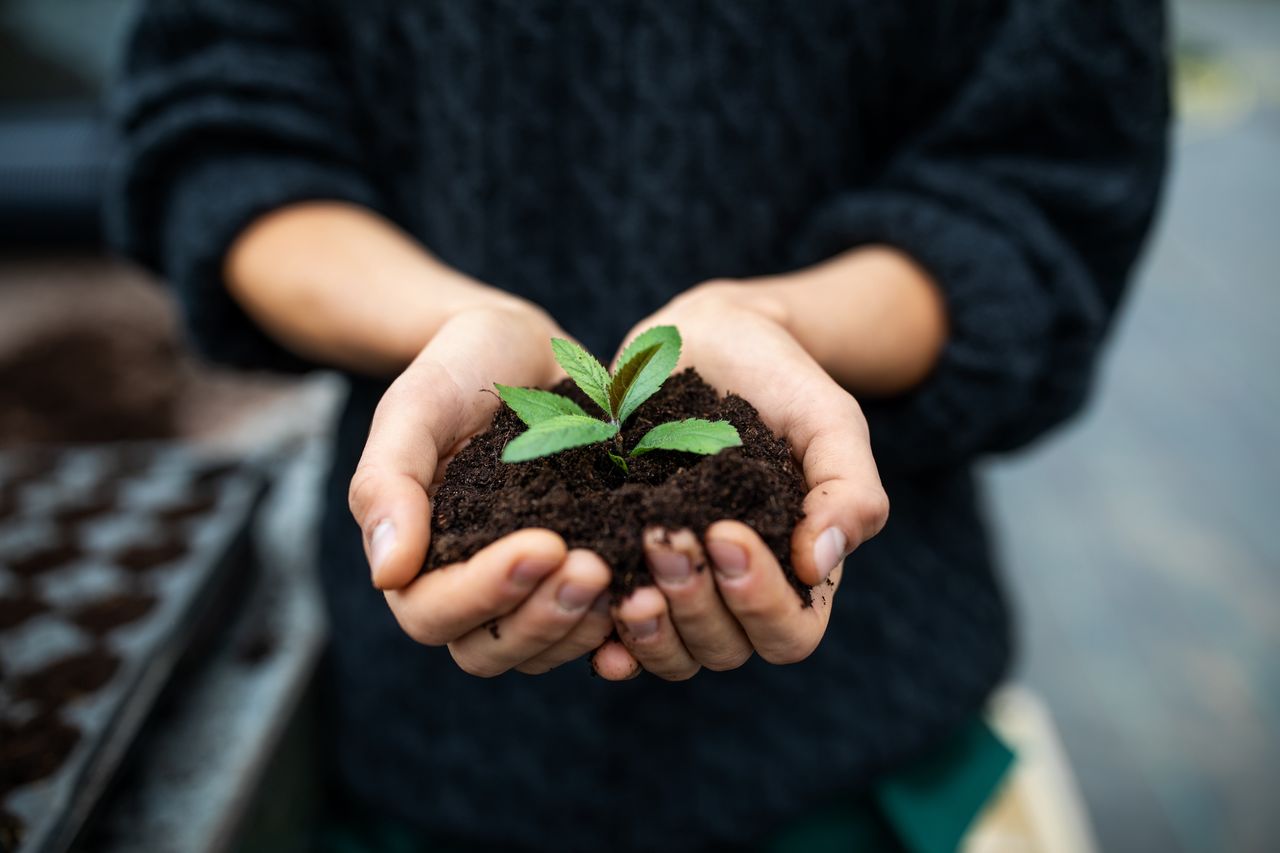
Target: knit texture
x=598, y=157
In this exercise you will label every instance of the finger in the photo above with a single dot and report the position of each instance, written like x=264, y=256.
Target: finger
x=846, y=504
x=420, y=418
x=442, y=605
x=614, y=662
x=706, y=627
x=435, y=405
x=589, y=634
x=545, y=618
x=646, y=630
x=395, y=524
x=780, y=627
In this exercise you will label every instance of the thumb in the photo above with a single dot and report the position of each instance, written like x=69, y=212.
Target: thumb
x=437, y=403
x=846, y=504
x=394, y=515
x=422, y=412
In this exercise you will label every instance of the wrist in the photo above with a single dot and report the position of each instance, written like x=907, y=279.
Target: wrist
x=343, y=286
x=437, y=294
x=872, y=317
x=713, y=300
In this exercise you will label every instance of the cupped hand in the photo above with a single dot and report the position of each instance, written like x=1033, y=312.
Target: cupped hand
x=736, y=336
x=525, y=602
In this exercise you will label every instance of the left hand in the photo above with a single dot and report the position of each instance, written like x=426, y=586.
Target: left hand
x=736, y=335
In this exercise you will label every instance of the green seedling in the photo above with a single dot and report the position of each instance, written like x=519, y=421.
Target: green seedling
x=557, y=423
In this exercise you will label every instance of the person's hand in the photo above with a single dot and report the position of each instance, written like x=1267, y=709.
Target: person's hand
x=524, y=602
x=736, y=337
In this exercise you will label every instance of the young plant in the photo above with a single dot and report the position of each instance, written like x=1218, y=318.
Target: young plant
x=557, y=423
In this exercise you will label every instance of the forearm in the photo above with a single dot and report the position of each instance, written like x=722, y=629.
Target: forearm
x=871, y=317
x=342, y=286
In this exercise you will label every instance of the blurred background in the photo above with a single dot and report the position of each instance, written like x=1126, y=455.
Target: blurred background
x=1141, y=544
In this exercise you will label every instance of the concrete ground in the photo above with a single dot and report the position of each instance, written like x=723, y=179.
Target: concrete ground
x=1143, y=543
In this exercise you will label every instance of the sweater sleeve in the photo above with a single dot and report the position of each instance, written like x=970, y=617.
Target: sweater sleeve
x=1026, y=197
x=225, y=110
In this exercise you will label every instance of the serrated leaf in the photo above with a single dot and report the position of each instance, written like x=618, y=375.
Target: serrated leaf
x=555, y=434
x=694, y=435
x=642, y=369
x=533, y=405
x=626, y=374
x=587, y=373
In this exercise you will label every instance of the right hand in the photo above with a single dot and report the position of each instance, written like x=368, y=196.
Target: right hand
x=546, y=602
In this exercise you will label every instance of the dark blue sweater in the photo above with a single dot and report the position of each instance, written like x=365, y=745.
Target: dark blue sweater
x=598, y=157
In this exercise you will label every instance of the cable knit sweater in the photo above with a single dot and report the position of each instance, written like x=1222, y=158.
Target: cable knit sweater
x=598, y=157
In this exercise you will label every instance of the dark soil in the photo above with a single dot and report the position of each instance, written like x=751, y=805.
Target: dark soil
x=193, y=506
x=12, y=831
x=84, y=384
x=142, y=558
x=131, y=460
x=97, y=505
x=32, y=465
x=16, y=609
x=214, y=472
x=46, y=559
x=585, y=498
x=32, y=750
x=105, y=615
x=257, y=647
x=67, y=678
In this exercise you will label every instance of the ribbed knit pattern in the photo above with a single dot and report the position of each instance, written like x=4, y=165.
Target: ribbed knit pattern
x=598, y=157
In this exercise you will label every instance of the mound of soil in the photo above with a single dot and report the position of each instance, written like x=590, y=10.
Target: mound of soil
x=12, y=830
x=191, y=507
x=33, y=750
x=91, y=507
x=16, y=609
x=103, y=616
x=68, y=678
x=146, y=556
x=46, y=559
x=85, y=384
x=587, y=499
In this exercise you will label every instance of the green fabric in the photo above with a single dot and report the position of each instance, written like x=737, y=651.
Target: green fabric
x=852, y=825
x=931, y=803
x=925, y=807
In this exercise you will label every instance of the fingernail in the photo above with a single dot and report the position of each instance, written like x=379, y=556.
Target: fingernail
x=829, y=550
x=528, y=572
x=670, y=566
x=573, y=596
x=730, y=560
x=644, y=628
x=381, y=543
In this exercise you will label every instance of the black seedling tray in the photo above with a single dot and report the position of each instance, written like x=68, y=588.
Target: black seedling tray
x=113, y=561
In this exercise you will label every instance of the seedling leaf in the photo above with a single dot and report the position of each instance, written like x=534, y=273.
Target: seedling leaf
x=693, y=435
x=587, y=373
x=645, y=364
x=555, y=434
x=533, y=406
x=626, y=374
x=556, y=423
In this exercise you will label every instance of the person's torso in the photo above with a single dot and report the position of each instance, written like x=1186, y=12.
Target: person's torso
x=600, y=156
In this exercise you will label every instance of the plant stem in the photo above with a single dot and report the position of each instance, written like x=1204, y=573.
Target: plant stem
x=619, y=458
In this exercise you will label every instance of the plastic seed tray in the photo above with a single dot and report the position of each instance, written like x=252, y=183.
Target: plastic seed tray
x=113, y=562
